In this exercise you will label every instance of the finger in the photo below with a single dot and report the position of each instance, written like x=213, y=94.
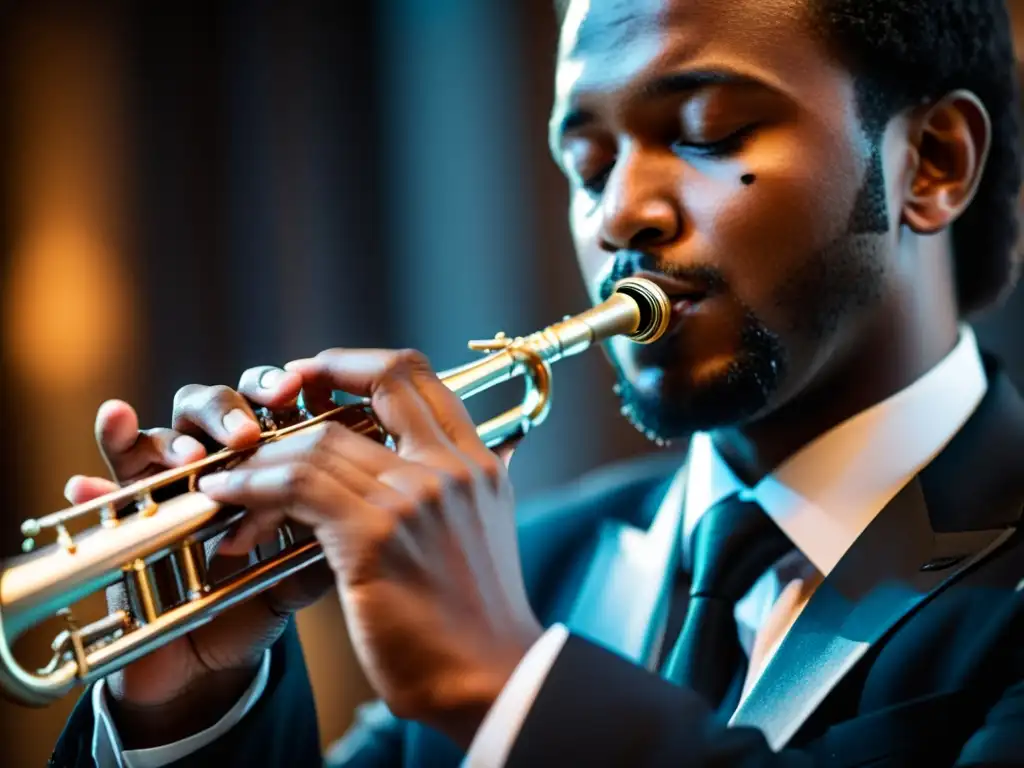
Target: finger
x=352, y=462
x=218, y=412
x=158, y=449
x=116, y=430
x=130, y=453
x=328, y=444
x=317, y=396
x=270, y=487
x=447, y=409
x=270, y=386
x=257, y=527
x=303, y=492
x=81, y=489
x=392, y=381
x=346, y=458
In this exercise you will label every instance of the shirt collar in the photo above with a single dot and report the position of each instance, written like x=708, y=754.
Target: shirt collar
x=826, y=494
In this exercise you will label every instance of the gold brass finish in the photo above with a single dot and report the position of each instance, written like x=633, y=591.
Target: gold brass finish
x=163, y=520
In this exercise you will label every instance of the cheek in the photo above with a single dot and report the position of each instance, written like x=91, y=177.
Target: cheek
x=763, y=233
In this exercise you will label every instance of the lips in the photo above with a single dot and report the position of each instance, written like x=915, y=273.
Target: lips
x=678, y=291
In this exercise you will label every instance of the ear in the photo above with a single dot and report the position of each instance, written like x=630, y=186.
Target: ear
x=949, y=146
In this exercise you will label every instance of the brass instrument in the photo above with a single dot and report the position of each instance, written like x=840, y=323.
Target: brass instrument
x=164, y=521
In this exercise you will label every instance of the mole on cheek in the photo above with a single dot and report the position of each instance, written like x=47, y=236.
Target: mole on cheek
x=748, y=178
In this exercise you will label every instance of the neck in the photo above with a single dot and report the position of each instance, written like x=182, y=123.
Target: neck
x=890, y=351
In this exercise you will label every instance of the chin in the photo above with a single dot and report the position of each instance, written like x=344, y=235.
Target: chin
x=663, y=407
x=672, y=403
x=703, y=376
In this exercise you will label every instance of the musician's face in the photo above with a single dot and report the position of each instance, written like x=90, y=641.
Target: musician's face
x=717, y=143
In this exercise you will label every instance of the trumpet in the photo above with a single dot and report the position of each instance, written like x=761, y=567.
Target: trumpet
x=161, y=526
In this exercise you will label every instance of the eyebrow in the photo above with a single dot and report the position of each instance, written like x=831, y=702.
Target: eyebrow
x=671, y=84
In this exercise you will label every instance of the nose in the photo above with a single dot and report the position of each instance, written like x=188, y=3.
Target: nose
x=639, y=208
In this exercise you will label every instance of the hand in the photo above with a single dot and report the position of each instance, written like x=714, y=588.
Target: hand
x=422, y=541
x=190, y=683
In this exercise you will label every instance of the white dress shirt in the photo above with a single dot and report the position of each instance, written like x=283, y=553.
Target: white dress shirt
x=823, y=498
x=106, y=744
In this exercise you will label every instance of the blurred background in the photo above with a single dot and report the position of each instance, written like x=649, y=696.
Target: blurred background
x=186, y=193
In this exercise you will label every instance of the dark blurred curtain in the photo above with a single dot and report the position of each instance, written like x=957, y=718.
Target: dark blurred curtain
x=251, y=182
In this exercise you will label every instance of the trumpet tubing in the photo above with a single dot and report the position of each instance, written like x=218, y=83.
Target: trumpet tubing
x=152, y=536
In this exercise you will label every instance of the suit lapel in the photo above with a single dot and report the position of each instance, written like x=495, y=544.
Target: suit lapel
x=622, y=601
x=954, y=514
x=897, y=564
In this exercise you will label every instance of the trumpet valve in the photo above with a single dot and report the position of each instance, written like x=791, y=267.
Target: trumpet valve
x=145, y=504
x=190, y=562
x=65, y=540
x=108, y=516
x=272, y=421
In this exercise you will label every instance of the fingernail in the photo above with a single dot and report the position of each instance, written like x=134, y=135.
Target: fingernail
x=304, y=362
x=271, y=378
x=236, y=420
x=184, y=445
x=213, y=482
x=69, y=484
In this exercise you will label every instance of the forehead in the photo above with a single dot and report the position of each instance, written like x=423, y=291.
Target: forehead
x=613, y=47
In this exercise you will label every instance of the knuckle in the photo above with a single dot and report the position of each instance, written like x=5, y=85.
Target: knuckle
x=326, y=355
x=376, y=540
x=330, y=434
x=492, y=468
x=383, y=532
x=185, y=396
x=296, y=478
x=432, y=489
x=401, y=507
x=459, y=477
x=405, y=364
x=219, y=397
x=185, y=392
x=240, y=480
x=323, y=442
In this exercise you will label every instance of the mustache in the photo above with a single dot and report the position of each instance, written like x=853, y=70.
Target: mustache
x=629, y=263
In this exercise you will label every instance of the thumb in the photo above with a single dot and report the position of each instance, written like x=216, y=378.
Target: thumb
x=81, y=489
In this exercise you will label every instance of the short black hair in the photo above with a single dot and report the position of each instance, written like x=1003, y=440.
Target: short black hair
x=908, y=52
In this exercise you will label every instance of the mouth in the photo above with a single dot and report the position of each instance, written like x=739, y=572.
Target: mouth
x=684, y=295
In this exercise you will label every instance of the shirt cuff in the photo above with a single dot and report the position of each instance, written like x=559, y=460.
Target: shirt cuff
x=106, y=744
x=497, y=734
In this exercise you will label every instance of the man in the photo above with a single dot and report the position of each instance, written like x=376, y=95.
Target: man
x=832, y=573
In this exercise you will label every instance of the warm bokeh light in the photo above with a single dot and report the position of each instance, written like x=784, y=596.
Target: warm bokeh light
x=68, y=308
x=64, y=307
x=65, y=293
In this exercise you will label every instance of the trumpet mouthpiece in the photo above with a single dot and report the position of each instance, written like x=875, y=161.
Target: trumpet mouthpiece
x=653, y=304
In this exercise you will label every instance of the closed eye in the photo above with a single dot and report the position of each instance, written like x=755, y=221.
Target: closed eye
x=595, y=184
x=724, y=147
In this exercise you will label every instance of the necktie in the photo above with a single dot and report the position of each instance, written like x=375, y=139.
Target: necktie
x=734, y=543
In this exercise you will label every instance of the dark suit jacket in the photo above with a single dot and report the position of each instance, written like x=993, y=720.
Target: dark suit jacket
x=910, y=654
